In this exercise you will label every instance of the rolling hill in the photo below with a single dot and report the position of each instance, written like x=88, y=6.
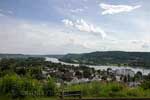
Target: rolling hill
x=110, y=57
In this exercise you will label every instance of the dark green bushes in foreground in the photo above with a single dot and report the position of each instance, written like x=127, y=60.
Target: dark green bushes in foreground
x=146, y=85
x=20, y=87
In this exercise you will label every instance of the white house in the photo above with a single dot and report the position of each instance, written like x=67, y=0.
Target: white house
x=125, y=72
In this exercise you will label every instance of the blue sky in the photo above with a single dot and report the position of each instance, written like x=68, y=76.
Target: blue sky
x=74, y=26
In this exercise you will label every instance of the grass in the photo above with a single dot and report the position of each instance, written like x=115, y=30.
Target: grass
x=43, y=98
x=113, y=89
x=56, y=98
x=99, y=90
x=30, y=98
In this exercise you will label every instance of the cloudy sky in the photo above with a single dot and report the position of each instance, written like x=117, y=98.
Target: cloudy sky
x=74, y=26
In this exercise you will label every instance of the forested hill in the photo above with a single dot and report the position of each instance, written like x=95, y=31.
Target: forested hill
x=141, y=59
x=110, y=57
x=2, y=55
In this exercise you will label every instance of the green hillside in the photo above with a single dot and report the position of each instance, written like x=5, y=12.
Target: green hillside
x=110, y=57
x=5, y=55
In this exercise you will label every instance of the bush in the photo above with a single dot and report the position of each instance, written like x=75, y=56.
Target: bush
x=111, y=89
x=116, y=87
x=134, y=92
x=145, y=85
x=11, y=85
x=49, y=87
x=97, y=89
x=19, y=87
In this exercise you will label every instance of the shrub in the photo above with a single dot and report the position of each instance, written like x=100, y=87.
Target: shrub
x=134, y=92
x=116, y=87
x=19, y=87
x=145, y=85
x=98, y=89
x=49, y=87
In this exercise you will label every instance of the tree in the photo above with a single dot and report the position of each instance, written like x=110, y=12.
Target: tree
x=125, y=79
x=138, y=76
x=20, y=70
x=36, y=72
x=78, y=74
x=86, y=73
x=99, y=71
x=146, y=85
x=49, y=87
x=108, y=71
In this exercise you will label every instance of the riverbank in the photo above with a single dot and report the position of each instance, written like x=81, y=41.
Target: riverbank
x=144, y=71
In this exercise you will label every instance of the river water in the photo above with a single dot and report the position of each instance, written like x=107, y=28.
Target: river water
x=135, y=69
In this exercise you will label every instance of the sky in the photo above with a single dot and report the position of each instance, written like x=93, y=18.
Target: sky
x=74, y=26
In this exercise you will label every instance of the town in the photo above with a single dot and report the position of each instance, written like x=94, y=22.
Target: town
x=83, y=74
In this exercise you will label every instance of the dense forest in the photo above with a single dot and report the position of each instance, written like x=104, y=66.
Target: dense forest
x=141, y=59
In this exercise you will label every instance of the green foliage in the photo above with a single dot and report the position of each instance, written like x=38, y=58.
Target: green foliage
x=146, y=85
x=134, y=92
x=112, y=89
x=86, y=73
x=19, y=87
x=49, y=87
x=110, y=57
x=21, y=78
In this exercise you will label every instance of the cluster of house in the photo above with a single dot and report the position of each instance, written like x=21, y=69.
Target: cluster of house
x=70, y=76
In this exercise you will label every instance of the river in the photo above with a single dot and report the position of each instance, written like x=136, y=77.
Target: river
x=135, y=69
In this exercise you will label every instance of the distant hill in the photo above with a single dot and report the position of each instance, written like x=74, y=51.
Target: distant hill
x=13, y=56
x=26, y=56
x=110, y=57
x=54, y=56
x=141, y=59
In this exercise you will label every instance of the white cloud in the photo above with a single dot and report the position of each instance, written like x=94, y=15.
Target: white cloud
x=136, y=41
x=76, y=10
x=1, y=15
x=67, y=22
x=42, y=38
x=83, y=26
x=85, y=0
x=3, y=12
x=10, y=12
x=146, y=45
x=114, y=9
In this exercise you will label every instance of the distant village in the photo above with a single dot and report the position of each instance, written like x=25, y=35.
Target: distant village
x=83, y=74
x=71, y=74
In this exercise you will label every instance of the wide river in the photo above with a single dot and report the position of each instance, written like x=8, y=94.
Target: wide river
x=143, y=70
